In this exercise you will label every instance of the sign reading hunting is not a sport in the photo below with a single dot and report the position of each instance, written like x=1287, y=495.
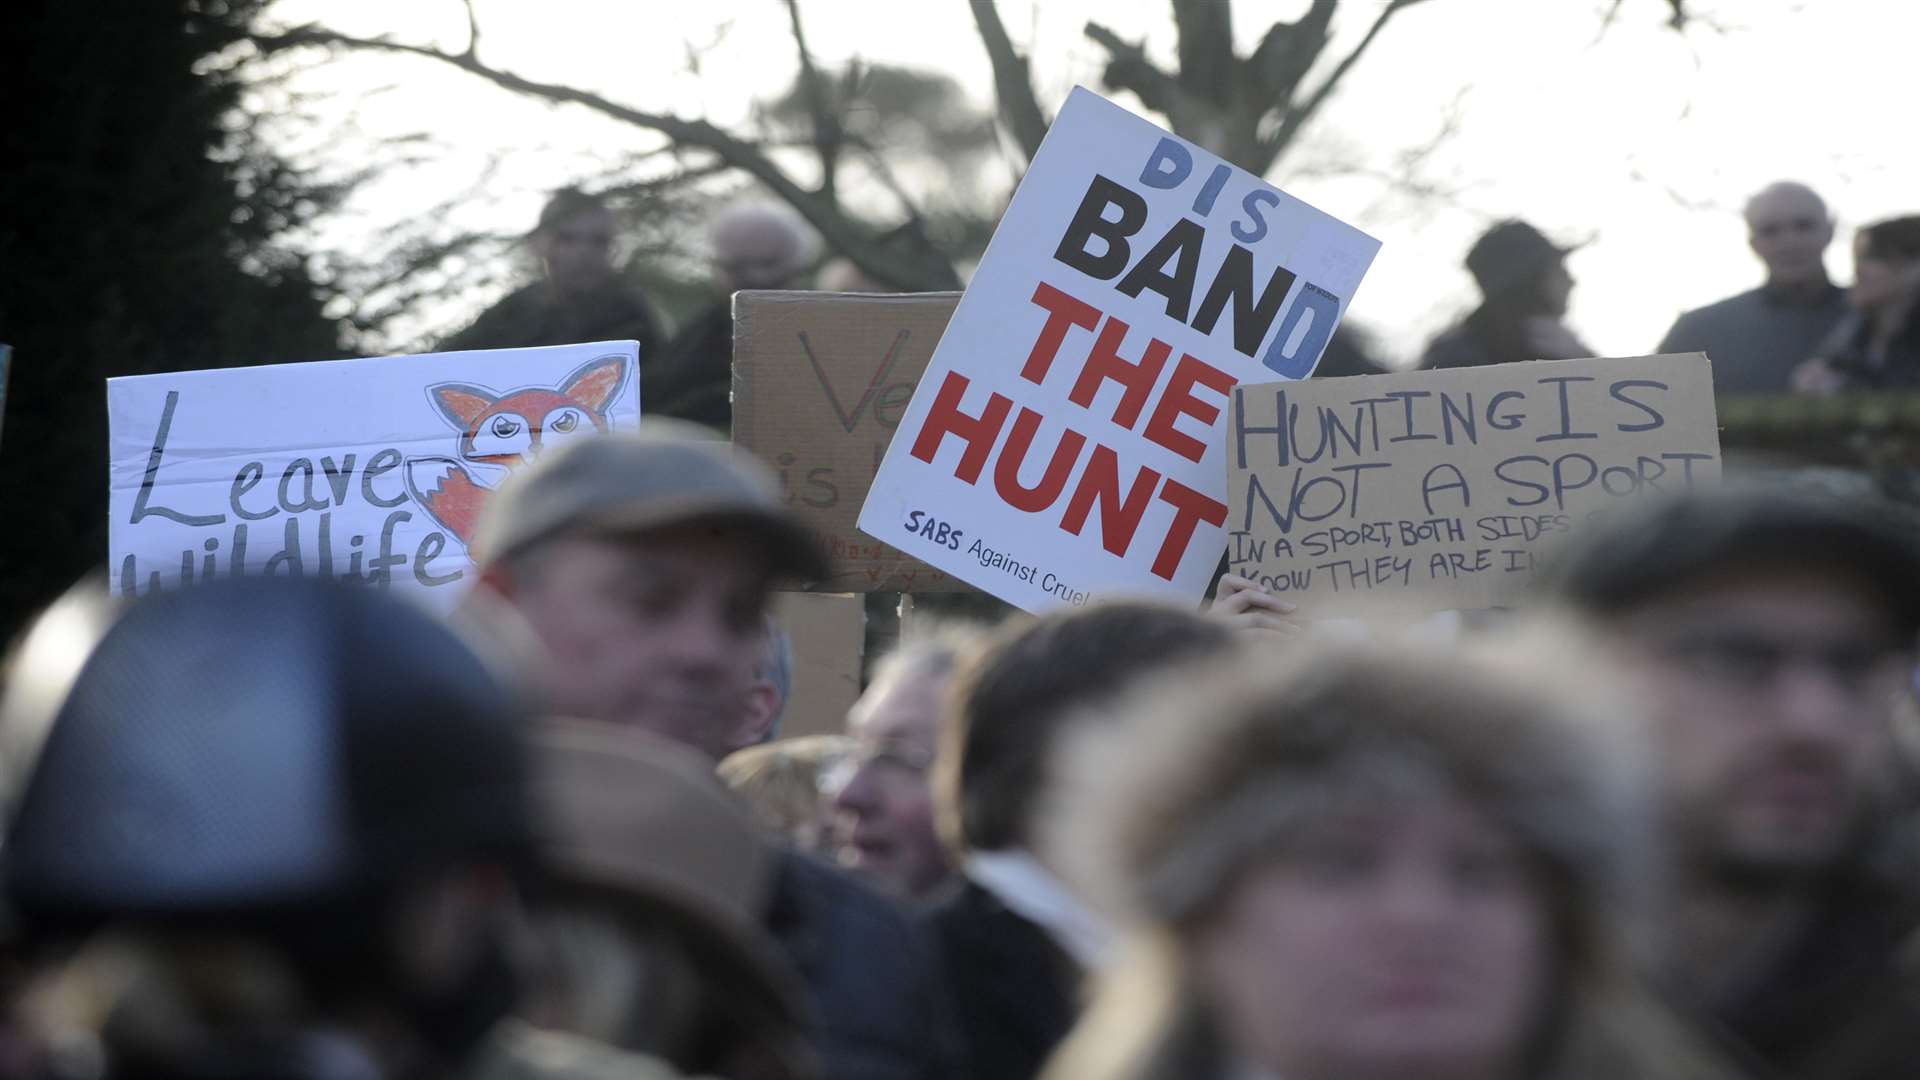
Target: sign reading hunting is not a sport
x=367, y=470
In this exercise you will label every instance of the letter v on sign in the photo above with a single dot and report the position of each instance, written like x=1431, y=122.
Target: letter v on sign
x=851, y=420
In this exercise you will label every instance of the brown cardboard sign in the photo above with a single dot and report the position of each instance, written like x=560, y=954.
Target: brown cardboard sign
x=820, y=381
x=828, y=632
x=1426, y=490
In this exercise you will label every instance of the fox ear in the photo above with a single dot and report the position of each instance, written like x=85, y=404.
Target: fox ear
x=460, y=403
x=597, y=383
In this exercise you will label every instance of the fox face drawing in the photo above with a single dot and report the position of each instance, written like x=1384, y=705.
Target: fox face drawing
x=500, y=432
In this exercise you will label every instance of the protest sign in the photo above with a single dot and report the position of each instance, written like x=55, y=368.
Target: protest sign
x=829, y=632
x=1427, y=490
x=1064, y=443
x=820, y=382
x=365, y=470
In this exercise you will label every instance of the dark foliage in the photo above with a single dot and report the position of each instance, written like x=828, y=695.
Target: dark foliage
x=139, y=236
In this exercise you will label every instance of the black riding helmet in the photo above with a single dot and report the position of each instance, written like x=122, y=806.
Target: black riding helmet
x=247, y=750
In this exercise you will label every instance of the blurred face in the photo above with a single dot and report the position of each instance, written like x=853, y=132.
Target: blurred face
x=662, y=631
x=756, y=253
x=1789, y=229
x=886, y=806
x=1556, y=290
x=1405, y=941
x=1773, y=689
x=1880, y=281
x=577, y=251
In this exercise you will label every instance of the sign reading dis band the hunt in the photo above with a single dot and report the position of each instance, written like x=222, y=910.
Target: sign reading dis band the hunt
x=372, y=471
x=1065, y=442
x=1428, y=490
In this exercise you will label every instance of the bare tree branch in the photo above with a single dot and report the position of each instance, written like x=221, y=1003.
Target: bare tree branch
x=836, y=228
x=1207, y=62
x=1286, y=53
x=827, y=134
x=473, y=30
x=1298, y=115
x=1130, y=69
x=1012, y=83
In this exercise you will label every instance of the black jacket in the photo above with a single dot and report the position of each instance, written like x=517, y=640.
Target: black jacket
x=1843, y=1003
x=694, y=379
x=1015, y=994
x=532, y=316
x=879, y=1008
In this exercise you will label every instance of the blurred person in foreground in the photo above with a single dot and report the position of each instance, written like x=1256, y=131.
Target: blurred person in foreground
x=647, y=935
x=754, y=247
x=643, y=564
x=1524, y=289
x=1757, y=338
x=1877, y=345
x=1771, y=634
x=1364, y=861
x=788, y=784
x=883, y=795
x=580, y=296
x=1016, y=941
x=267, y=828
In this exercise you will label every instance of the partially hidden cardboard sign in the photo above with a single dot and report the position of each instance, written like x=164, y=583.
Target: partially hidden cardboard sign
x=820, y=383
x=1064, y=444
x=372, y=471
x=1428, y=490
x=828, y=631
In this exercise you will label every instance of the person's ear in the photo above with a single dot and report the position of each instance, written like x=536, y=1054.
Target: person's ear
x=756, y=720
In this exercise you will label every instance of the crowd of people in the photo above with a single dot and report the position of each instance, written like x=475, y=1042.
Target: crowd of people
x=1797, y=332
x=1654, y=822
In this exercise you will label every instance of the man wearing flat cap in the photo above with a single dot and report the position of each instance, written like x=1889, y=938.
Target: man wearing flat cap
x=1524, y=288
x=1771, y=635
x=644, y=565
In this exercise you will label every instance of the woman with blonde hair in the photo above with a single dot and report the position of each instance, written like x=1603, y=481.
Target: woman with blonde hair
x=1366, y=861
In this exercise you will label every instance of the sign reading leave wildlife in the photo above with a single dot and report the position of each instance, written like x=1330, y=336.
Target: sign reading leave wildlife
x=1428, y=490
x=366, y=470
x=820, y=383
x=1064, y=443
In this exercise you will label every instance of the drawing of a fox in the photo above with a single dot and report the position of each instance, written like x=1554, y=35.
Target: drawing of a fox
x=500, y=432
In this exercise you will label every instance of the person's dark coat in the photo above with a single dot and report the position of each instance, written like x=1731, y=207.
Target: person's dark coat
x=879, y=1008
x=533, y=316
x=694, y=380
x=1845, y=352
x=1843, y=1002
x=1015, y=993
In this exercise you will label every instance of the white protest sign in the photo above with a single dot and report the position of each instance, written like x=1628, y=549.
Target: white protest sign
x=366, y=470
x=1428, y=490
x=1064, y=443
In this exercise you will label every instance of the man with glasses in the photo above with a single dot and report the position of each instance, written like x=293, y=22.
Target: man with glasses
x=1772, y=636
x=1757, y=338
x=882, y=796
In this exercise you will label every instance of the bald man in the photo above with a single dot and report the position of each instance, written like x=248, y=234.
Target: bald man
x=1757, y=338
x=754, y=247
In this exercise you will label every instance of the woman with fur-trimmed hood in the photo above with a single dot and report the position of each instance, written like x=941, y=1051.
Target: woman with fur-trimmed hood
x=1366, y=861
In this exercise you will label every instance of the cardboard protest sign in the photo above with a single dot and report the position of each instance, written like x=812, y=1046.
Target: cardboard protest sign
x=829, y=632
x=367, y=470
x=820, y=382
x=1427, y=490
x=1064, y=443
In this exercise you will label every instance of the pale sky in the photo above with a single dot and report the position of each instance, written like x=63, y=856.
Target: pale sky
x=1642, y=141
